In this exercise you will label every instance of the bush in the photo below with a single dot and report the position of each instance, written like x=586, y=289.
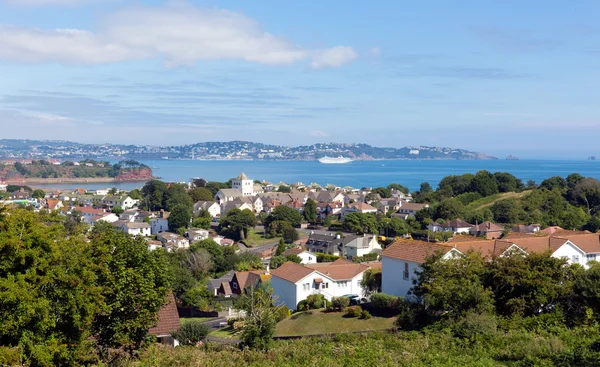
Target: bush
x=231, y=321
x=354, y=311
x=191, y=333
x=281, y=313
x=475, y=325
x=315, y=301
x=326, y=258
x=365, y=315
x=383, y=301
x=367, y=257
x=302, y=305
x=339, y=303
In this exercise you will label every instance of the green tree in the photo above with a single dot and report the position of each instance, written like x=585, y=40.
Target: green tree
x=449, y=209
x=260, y=319
x=277, y=261
x=280, y=247
x=135, y=194
x=153, y=195
x=290, y=235
x=361, y=223
x=284, y=189
x=484, y=183
x=454, y=286
x=38, y=194
x=383, y=192
x=456, y=185
x=586, y=192
x=285, y=213
x=425, y=188
x=507, y=182
x=398, y=187
x=554, y=182
x=371, y=282
x=177, y=195
x=237, y=222
x=117, y=210
x=191, y=333
x=310, y=211
x=180, y=217
x=201, y=194
x=506, y=211
x=135, y=283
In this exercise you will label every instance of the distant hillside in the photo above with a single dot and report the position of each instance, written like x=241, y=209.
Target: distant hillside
x=234, y=150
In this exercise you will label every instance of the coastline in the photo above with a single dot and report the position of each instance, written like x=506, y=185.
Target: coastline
x=72, y=180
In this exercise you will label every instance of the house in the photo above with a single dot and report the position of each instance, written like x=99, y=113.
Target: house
x=410, y=209
x=129, y=215
x=221, y=286
x=530, y=229
x=488, y=230
x=3, y=187
x=88, y=212
x=402, y=258
x=212, y=207
x=102, y=192
x=225, y=195
x=135, y=228
x=326, y=244
x=197, y=234
x=269, y=206
x=296, y=205
x=334, y=208
x=456, y=226
x=105, y=217
x=20, y=194
x=387, y=205
x=160, y=223
x=307, y=257
x=172, y=240
x=327, y=196
x=358, y=207
x=293, y=283
x=153, y=244
x=243, y=184
x=53, y=204
x=358, y=246
x=124, y=202
x=243, y=280
x=237, y=203
x=168, y=321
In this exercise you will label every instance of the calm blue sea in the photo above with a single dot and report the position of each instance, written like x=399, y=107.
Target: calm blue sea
x=356, y=174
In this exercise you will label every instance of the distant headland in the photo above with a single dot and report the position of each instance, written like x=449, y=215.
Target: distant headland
x=13, y=149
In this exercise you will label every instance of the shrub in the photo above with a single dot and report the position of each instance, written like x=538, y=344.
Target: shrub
x=315, y=301
x=367, y=257
x=383, y=301
x=326, y=258
x=281, y=313
x=354, y=311
x=302, y=305
x=191, y=333
x=365, y=315
x=231, y=321
x=475, y=325
x=339, y=303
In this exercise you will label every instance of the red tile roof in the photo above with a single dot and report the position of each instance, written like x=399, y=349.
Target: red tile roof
x=291, y=272
x=168, y=319
x=415, y=251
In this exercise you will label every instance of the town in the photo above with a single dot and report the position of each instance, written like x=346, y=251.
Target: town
x=315, y=246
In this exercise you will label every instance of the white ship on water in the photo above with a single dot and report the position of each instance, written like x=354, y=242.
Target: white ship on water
x=338, y=160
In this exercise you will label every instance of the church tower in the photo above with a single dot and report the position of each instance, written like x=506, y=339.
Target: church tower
x=244, y=184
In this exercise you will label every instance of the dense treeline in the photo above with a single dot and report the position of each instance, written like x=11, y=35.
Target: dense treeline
x=71, y=299
x=84, y=169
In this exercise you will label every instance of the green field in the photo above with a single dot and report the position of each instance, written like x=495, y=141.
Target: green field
x=256, y=238
x=493, y=199
x=318, y=322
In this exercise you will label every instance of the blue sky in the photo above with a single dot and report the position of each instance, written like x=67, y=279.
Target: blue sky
x=500, y=77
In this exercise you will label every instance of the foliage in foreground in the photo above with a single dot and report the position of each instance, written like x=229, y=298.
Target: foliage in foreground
x=523, y=347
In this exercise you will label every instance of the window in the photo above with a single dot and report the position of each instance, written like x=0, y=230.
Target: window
x=591, y=257
x=575, y=258
x=326, y=285
x=358, y=283
x=405, y=272
x=234, y=285
x=342, y=284
x=310, y=258
x=306, y=286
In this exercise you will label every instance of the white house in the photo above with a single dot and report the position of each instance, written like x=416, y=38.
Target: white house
x=361, y=245
x=161, y=223
x=456, y=226
x=87, y=212
x=135, y=228
x=172, y=240
x=106, y=217
x=402, y=258
x=307, y=257
x=410, y=209
x=102, y=192
x=358, y=207
x=212, y=207
x=124, y=202
x=197, y=234
x=293, y=283
x=243, y=184
x=235, y=204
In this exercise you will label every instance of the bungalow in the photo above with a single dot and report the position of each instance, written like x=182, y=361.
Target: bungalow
x=243, y=280
x=172, y=240
x=307, y=257
x=410, y=209
x=456, y=226
x=293, y=283
x=168, y=321
x=197, y=234
x=53, y=204
x=105, y=217
x=359, y=207
x=488, y=230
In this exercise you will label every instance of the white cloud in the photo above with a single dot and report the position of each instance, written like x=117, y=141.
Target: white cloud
x=181, y=34
x=333, y=57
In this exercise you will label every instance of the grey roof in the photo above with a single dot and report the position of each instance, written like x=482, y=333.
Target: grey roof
x=231, y=192
x=134, y=225
x=242, y=176
x=203, y=205
x=216, y=283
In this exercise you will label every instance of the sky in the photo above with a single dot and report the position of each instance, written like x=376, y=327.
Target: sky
x=499, y=77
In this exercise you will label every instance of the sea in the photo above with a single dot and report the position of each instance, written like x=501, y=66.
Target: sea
x=410, y=173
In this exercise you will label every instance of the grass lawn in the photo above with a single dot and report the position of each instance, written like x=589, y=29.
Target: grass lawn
x=319, y=322
x=256, y=238
x=493, y=199
x=192, y=319
x=226, y=333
